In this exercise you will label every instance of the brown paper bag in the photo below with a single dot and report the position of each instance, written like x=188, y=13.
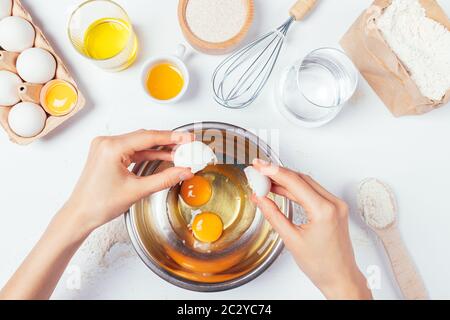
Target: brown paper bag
x=380, y=66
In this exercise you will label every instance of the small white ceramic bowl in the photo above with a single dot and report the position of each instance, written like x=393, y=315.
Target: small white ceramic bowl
x=177, y=60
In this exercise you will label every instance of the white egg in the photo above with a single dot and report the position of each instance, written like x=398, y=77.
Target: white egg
x=195, y=155
x=16, y=34
x=259, y=183
x=5, y=8
x=9, y=91
x=27, y=119
x=36, y=65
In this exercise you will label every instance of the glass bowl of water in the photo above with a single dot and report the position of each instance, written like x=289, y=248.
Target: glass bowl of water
x=313, y=91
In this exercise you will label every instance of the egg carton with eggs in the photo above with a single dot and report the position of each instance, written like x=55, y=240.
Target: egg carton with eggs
x=29, y=66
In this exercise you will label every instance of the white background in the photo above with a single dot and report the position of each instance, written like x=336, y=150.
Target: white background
x=411, y=154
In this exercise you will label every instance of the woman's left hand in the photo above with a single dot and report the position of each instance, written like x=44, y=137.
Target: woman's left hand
x=107, y=188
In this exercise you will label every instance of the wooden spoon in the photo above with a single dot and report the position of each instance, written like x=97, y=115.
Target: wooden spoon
x=405, y=272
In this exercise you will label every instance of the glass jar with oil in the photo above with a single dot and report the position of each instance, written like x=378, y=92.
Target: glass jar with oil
x=102, y=31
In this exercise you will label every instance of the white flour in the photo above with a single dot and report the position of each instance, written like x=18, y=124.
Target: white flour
x=376, y=204
x=216, y=20
x=105, y=247
x=422, y=44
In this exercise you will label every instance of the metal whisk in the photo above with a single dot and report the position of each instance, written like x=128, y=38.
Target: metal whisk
x=241, y=77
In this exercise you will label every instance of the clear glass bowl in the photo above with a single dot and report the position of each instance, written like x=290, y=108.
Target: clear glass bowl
x=312, y=92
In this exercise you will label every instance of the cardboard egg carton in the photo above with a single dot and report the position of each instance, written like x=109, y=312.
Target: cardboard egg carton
x=62, y=73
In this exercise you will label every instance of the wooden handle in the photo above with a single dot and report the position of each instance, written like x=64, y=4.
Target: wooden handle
x=301, y=8
x=408, y=278
x=29, y=92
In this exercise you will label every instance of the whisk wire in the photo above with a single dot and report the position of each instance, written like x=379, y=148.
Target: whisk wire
x=248, y=72
x=245, y=50
x=237, y=61
x=234, y=89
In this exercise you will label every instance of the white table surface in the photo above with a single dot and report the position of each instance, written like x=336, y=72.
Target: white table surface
x=411, y=153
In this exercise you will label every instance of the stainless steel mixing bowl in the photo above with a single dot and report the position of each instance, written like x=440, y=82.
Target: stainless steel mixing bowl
x=226, y=266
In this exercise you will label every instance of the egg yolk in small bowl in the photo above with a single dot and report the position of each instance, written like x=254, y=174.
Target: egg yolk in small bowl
x=196, y=192
x=207, y=227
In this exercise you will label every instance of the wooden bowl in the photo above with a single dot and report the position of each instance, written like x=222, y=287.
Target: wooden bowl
x=214, y=48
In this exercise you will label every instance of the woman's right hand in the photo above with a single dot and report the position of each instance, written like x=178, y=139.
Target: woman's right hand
x=322, y=248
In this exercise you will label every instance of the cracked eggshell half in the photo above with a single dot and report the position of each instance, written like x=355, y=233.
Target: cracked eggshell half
x=27, y=119
x=259, y=183
x=195, y=155
x=9, y=84
x=36, y=65
x=5, y=8
x=16, y=34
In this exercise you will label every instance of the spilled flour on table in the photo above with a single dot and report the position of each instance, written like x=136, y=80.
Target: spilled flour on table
x=107, y=246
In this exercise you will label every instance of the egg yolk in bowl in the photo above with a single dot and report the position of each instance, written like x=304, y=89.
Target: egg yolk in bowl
x=196, y=192
x=207, y=227
x=211, y=211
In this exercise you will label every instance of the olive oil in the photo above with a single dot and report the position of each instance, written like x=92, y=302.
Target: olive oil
x=109, y=38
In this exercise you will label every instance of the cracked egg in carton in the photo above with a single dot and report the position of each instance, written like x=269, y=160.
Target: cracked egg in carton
x=31, y=73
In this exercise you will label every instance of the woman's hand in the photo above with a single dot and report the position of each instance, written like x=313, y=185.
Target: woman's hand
x=107, y=188
x=322, y=248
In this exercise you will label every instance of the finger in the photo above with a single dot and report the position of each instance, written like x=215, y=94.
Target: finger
x=151, y=155
x=321, y=190
x=282, y=192
x=277, y=219
x=302, y=192
x=161, y=181
x=171, y=147
x=276, y=188
x=146, y=139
